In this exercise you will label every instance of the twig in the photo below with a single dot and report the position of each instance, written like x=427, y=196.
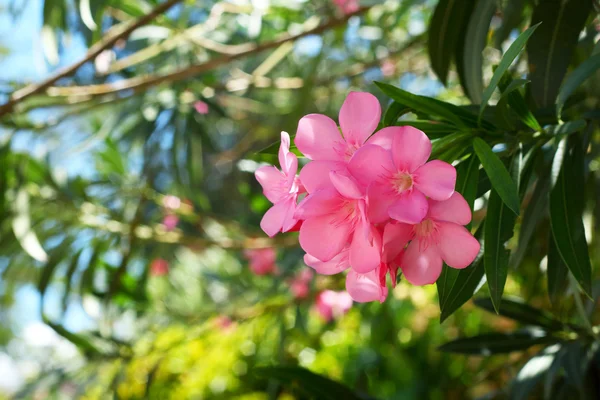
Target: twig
x=92, y=53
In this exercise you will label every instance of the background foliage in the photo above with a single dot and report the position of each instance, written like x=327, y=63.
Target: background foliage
x=90, y=146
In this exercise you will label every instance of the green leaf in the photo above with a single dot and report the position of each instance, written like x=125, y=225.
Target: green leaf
x=22, y=229
x=575, y=79
x=307, y=382
x=394, y=111
x=549, y=52
x=517, y=310
x=567, y=128
x=56, y=257
x=444, y=34
x=512, y=53
x=69, y=279
x=516, y=101
x=501, y=181
x=467, y=179
x=433, y=129
x=566, y=208
x=512, y=16
x=475, y=41
x=532, y=372
x=497, y=343
x=422, y=103
x=558, y=279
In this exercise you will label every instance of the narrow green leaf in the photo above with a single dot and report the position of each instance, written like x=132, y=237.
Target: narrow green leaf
x=501, y=181
x=394, y=111
x=532, y=372
x=444, y=34
x=558, y=279
x=517, y=310
x=512, y=16
x=69, y=279
x=566, y=208
x=512, y=53
x=497, y=343
x=433, y=129
x=22, y=229
x=549, y=52
x=516, y=101
x=422, y=103
x=567, y=128
x=575, y=79
x=475, y=41
x=308, y=382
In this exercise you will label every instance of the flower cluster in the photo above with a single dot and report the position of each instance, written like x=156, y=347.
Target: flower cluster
x=373, y=202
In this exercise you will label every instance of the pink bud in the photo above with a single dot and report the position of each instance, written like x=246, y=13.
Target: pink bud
x=159, y=267
x=170, y=222
x=299, y=289
x=261, y=261
x=201, y=107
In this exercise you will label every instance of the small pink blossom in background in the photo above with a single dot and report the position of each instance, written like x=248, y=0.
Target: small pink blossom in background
x=262, y=261
x=332, y=305
x=159, y=267
x=170, y=222
x=388, y=67
x=300, y=284
x=201, y=107
x=347, y=6
x=223, y=322
x=171, y=202
x=282, y=189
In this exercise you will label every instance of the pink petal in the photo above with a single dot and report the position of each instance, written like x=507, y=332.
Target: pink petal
x=379, y=200
x=385, y=137
x=409, y=208
x=345, y=186
x=315, y=174
x=364, y=288
x=272, y=221
x=456, y=245
x=359, y=117
x=395, y=238
x=317, y=137
x=337, y=264
x=365, y=254
x=286, y=159
x=273, y=183
x=201, y=107
x=370, y=163
x=321, y=202
x=324, y=237
x=410, y=149
x=436, y=179
x=290, y=220
x=421, y=265
x=455, y=209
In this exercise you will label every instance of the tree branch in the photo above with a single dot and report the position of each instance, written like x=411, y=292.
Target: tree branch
x=92, y=53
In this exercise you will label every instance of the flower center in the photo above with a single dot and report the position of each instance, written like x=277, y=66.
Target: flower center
x=425, y=228
x=346, y=150
x=402, y=181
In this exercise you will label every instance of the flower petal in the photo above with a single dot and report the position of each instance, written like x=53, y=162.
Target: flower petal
x=455, y=209
x=421, y=265
x=379, y=200
x=287, y=160
x=364, y=288
x=410, y=149
x=365, y=254
x=324, y=237
x=346, y=186
x=385, y=137
x=370, y=163
x=359, y=117
x=337, y=264
x=395, y=238
x=456, y=245
x=317, y=137
x=436, y=179
x=272, y=221
x=321, y=202
x=409, y=208
x=272, y=182
x=315, y=175
x=290, y=220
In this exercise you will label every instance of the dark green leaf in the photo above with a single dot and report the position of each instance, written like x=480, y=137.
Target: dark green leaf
x=532, y=373
x=549, y=52
x=521, y=312
x=308, y=382
x=512, y=15
x=516, y=101
x=566, y=208
x=558, y=279
x=475, y=41
x=497, y=343
x=512, y=53
x=567, y=128
x=394, y=111
x=444, y=33
x=575, y=79
x=501, y=181
x=69, y=279
x=433, y=129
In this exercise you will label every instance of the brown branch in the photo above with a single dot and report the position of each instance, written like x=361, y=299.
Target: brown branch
x=138, y=84
x=92, y=53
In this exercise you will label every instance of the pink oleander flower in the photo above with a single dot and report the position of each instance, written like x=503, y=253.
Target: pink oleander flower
x=300, y=284
x=367, y=287
x=347, y=6
x=171, y=202
x=388, y=68
x=399, y=180
x=282, y=189
x=262, y=261
x=159, y=267
x=170, y=222
x=441, y=236
x=318, y=138
x=201, y=107
x=335, y=217
x=331, y=305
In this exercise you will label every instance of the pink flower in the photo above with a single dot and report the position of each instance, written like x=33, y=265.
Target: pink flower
x=262, y=261
x=334, y=218
x=171, y=202
x=282, y=189
x=319, y=139
x=367, y=287
x=399, y=180
x=170, y=222
x=299, y=286
x=159, y=267
x=201, y=107
x=330, y=304
x=439, y=237
x=388, y=68
x=347, y=6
